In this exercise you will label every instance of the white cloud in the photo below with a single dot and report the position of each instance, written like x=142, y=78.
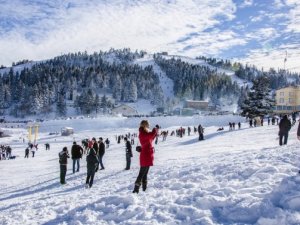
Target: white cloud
x=42, y=31
x=274, y=57
x=294, y=16
x=246, y=3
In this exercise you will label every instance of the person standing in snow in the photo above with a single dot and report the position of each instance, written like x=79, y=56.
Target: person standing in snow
x=284, y=128
x=128, y=150
x=107, y=143
x=26, y=152
x=63, y=162
x=189, y=131
x=101, y=152
x=250, y=123
x=33, y=149
x=201, y=132
x=92, y=164
x=76, y=152
x=146, y=155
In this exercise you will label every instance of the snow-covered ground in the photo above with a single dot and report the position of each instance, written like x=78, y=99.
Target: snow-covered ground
x=232, y=177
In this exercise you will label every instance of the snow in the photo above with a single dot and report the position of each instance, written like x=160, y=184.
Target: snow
x=20, y=67
x=232, y=177
x=143, y=106
x=165, y=82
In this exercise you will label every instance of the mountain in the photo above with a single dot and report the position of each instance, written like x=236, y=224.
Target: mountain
x=92, y=83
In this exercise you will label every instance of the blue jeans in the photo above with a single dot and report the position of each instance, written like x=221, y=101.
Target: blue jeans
x=100, y=161
x=128, y=161
x=78, y=165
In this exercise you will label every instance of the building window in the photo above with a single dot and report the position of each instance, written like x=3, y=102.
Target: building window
x=289, y=108
x=291, y=94
x=291, y=100
x=281, y=100
x=279, y=107
x=281, y=93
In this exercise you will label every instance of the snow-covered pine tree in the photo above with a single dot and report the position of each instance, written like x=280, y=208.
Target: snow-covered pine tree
x=259, y=101
x=132, y=95
x=97, y=103
x=104, y=103
x=61, y=107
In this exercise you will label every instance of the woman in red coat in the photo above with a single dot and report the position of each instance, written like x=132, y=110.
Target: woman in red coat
x=147, y=154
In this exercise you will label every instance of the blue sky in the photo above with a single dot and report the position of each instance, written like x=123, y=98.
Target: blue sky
x=252, y=31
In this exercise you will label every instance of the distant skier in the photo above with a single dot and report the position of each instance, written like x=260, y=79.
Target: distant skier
x=92, y=164
x=76, y=152
x=63, y=162
x=239, y=125
x=128, y=151
x=251, y=123
x=284, y=128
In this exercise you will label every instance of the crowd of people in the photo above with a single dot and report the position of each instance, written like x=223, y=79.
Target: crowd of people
x=94, y=149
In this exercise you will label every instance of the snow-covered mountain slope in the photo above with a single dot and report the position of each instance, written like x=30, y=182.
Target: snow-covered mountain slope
x=165, y=82
x=232, y=177
x=20, y=67
x=200, y=62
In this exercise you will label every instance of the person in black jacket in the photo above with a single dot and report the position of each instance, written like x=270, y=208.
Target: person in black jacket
x=284, y=128
x=26, y=152
x=63, y=161
x=92, y=164
x=101, y=152
x=128, y=150
x=76, y=153
x=201, y=132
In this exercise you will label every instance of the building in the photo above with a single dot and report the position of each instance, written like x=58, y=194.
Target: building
x=124, y=110
x=287, y=100
x=67, y=131
x=199, y=105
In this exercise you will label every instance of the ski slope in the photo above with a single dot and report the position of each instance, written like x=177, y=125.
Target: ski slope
x=232, y=177
x=165, y=82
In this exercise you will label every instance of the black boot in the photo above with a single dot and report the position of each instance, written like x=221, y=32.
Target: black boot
x=136, y=188
x=144, y=185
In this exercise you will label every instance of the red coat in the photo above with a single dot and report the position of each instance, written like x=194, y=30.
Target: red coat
x=147, y=153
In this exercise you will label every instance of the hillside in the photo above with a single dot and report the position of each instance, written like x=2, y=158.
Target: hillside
x=78, y=83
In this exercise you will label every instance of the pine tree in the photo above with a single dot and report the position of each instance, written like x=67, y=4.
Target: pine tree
x=132, y=95
x=104, y=103
x=97, y=103
x=61, y=107
x=259, y=101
